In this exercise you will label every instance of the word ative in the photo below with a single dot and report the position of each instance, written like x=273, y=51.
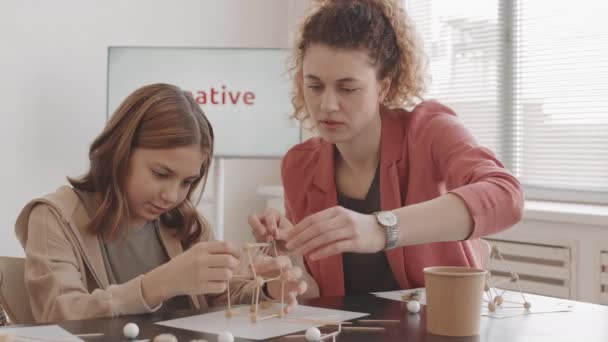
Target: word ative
x=222, y=96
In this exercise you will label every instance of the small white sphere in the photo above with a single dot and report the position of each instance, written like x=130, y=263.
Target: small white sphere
x=225, y=336
x=165, y=338
x=413, y=306
x=313, y=334
x=130, y=330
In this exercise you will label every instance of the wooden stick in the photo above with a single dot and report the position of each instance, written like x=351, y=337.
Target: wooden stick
x=268, y=317
x=228, y=286
x=372, y=321
x=91, y=335
x=242, y=276
x=315, y=321
x=377, y=329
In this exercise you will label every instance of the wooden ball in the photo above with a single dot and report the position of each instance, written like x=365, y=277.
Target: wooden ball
x=499, y=300
x=492, y=306
x=225, y=336
x=313, y=334
x=165, y=338
x=413, y=306
x=130, y=331
x=527, y=305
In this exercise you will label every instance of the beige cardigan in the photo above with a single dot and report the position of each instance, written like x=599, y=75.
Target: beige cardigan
x=65, y=275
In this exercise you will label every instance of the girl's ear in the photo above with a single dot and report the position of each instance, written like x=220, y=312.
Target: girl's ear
x=385, y=85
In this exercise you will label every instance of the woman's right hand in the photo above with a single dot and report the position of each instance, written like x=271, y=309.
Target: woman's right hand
x=270, y=225
x=205, y=267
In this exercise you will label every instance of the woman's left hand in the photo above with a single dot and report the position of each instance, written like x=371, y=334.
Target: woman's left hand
x=333, y=231
x=270, y=267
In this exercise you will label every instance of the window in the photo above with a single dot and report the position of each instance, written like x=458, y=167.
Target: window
x=530, y=80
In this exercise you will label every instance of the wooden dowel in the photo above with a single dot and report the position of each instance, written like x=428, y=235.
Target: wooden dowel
x=373, y=321
x=374, y=329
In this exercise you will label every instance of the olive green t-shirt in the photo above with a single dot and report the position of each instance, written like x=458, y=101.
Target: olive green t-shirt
x=137, y=252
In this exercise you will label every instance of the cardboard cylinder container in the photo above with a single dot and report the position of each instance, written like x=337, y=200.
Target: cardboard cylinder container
x=453, y=300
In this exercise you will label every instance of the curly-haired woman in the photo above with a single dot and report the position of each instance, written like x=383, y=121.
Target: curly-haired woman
x=393, y=183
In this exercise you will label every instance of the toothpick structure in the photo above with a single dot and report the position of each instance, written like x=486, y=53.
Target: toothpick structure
x=492, y=297
x=246, y=270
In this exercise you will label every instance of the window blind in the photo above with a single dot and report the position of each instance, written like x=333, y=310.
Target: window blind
x=530, y=80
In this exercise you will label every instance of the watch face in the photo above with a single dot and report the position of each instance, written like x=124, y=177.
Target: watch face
x=387, y=218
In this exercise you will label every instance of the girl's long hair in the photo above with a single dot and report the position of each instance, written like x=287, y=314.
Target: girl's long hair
x=156, y=116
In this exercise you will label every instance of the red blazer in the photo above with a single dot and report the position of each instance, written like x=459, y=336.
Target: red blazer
x=424, y=153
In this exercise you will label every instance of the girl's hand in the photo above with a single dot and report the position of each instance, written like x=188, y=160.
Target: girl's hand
x=204, y=268
x=333, y=231
x=269, y=267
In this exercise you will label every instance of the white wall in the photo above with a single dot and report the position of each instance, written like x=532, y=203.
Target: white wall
x=53, y=85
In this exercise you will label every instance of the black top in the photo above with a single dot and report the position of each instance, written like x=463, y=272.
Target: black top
x=365, y=273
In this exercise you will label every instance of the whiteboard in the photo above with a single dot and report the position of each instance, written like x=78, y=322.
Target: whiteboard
x=244, y=92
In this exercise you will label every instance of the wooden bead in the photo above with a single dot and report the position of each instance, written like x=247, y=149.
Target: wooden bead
x=313, y=334
x=225, y=336
x=413, y=306
x=165, y=338
x=492, y=306
x=130, y=331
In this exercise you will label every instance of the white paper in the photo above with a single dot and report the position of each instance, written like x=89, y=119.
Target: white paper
x=240, y=325
x=513, y=305
x=396, y=295
x=46, y=332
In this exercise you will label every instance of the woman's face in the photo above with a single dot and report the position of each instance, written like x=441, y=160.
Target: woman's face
x=341, y=91
x=158, y=180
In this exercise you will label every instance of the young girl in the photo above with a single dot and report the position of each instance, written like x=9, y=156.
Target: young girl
x=383, y=192
x=126, y=238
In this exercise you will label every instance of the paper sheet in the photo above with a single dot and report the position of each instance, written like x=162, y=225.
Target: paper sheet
x=41, y=333
x=240, y=325
x=513, y=305
x=396, y=295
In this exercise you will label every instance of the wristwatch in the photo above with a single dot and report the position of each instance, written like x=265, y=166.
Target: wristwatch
x=388, y=220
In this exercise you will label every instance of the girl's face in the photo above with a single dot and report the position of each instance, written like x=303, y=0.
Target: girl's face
x=158, y=180
x=341, y=91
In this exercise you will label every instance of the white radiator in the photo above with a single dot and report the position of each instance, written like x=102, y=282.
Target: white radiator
x=542, y=269
x=604, y=278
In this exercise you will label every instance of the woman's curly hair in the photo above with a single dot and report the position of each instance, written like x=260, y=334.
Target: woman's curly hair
x=379, y=26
